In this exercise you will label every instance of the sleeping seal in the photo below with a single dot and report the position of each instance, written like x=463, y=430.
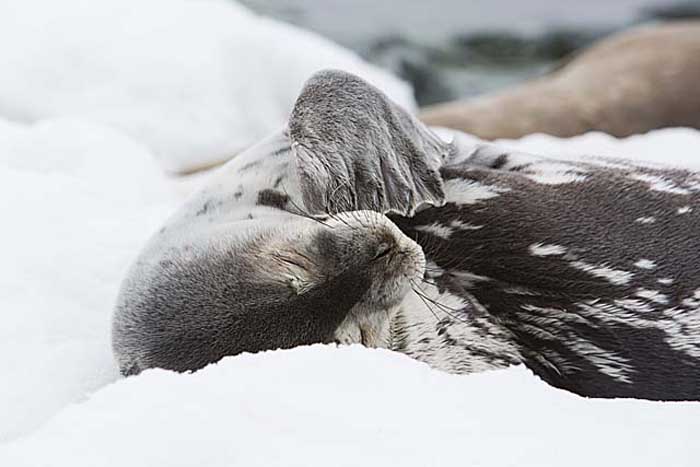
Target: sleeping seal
x=245, y=266
x=357, y=224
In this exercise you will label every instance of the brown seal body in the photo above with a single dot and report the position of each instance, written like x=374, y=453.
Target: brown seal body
x=631, y=83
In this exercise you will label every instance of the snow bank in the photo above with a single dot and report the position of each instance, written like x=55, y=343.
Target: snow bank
x=194, y=80
x=78, y=201
x=671, y=146
x=353, y=406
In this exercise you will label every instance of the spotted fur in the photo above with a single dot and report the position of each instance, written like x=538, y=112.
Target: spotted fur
x=584, y=270
x=595, y=301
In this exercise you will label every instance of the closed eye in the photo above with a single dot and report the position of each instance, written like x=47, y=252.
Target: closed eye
x=383, y=249
x=288, y=260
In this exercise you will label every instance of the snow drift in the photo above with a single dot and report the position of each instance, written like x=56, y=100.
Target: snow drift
x=77, y=199
x=353, y=406
x=194, y=80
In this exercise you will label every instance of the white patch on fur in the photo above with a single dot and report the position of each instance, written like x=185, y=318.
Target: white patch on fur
x=645, y=220
x=652, y=295
x=544, y=322
x=665, y=281
x=432, y=270
x=693, y=301
x=556, y=178
x=684, y=210
x=550, y=314
x=467, y=278
x=462, y=191
x=682, y=334
x=603, y=271
x=436, y=229
x=608, y=163
x=645, y=264
x=460, y=347
x=543, y=249
x=520, y=291
x=457, y=224
x=606, y=362
x=679, y=324
x=657, y=183
x=635, y=305
x=549, y=172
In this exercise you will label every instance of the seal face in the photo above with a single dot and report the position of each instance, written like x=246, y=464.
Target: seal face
x=467, y=257
x=256, y=285
x=285, y=247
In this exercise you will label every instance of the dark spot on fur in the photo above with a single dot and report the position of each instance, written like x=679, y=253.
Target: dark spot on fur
x=278, y=181
x=520, y=168
x=250, y=216
x=207, y=207
x=273, y=199
x=500, y=161
x=281, y=151
x=250, y=165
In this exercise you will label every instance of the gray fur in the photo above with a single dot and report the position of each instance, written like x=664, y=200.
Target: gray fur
x=583, y=270
x=355, y=149
x=243, y=267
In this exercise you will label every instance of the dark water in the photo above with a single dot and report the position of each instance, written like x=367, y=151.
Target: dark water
x=452, y=49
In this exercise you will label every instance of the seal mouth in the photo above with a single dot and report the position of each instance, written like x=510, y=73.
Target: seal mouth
x=395, y=268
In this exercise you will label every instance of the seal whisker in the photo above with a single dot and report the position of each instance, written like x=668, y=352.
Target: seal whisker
x=441, y=306
x=302, y=211
x=427, y=305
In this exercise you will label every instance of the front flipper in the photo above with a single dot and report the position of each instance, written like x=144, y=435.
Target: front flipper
x=356, y=150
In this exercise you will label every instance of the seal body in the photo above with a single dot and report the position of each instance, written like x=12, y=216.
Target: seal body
x=355, y=224
x=586, y=271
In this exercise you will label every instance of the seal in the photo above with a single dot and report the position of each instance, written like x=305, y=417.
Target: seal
x=245, y=266
x=617, y=87
x=356, y=224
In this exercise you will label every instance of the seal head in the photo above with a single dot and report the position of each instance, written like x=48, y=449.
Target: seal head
x=289, y=243
x=268, y=286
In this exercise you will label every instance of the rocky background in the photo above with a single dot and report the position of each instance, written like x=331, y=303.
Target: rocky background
x=452, y=49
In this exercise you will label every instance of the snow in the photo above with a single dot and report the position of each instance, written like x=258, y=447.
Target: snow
x=672, y=146
x=79, y=199
x=184, y=77
x=353, y=406
x=98, y=99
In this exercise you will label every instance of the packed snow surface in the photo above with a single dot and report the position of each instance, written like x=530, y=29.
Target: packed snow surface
x=193, y=80
x=78, y=201
x=352, y=406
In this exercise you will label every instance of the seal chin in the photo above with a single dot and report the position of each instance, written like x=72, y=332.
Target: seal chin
x=399, y=263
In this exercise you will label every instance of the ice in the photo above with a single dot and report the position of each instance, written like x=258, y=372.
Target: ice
x=194, y=81
x=352, y=406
